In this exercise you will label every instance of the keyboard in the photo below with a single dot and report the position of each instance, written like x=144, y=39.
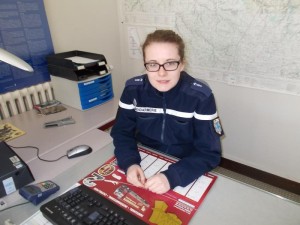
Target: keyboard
x=81, y=205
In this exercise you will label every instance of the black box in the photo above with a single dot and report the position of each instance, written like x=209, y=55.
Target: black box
x=64, y=65
x=14, y=172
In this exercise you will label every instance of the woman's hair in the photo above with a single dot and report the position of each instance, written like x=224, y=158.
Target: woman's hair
x=165, y=36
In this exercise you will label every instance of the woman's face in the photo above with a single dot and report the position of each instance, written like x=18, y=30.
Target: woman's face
x=161, y=53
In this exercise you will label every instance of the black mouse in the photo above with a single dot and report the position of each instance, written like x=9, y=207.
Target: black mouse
x=79, y=151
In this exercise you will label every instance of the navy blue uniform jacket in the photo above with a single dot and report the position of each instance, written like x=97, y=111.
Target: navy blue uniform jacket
x=182, y=122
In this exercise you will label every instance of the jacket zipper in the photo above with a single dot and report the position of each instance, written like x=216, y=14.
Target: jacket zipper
x=162, y=137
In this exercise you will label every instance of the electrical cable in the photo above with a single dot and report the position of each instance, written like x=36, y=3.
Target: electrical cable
x=14, y=206
x=38, y=154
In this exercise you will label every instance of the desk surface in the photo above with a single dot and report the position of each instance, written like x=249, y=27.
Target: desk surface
x=54, y=142
x=47, y=139
x=227, y=203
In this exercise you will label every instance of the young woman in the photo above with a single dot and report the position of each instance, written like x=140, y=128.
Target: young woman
x=170, y=111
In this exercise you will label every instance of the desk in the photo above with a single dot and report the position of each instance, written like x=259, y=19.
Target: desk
x=227, y=203
x=54, y=142
x=48, y=139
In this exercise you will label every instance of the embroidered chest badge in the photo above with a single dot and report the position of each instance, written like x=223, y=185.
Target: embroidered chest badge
x=218, y=126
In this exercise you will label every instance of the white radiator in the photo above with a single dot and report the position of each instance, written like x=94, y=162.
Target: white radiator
x=16, y=102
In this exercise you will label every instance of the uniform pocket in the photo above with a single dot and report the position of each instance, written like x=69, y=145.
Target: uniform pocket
x=150, y=126
x=179, y=130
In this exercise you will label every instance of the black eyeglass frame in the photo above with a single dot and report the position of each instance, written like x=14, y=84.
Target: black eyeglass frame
x=163, y=66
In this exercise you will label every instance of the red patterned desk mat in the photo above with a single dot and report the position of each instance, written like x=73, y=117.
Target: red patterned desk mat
x=177, y=206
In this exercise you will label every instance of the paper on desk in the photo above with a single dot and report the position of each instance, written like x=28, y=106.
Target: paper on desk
x=9, y=132
x=36, y=219
x=81, y=60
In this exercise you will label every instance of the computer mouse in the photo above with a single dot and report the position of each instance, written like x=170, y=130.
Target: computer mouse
x=78, y=151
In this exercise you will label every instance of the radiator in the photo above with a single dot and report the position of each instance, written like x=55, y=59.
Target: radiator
x=16, y=102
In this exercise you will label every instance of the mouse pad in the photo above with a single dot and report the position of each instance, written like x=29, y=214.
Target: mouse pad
x=177, y=206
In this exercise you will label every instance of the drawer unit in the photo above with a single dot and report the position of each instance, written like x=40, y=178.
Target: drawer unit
x=83, y=94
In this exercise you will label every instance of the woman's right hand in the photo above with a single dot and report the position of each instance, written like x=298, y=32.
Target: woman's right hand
x=136, y=176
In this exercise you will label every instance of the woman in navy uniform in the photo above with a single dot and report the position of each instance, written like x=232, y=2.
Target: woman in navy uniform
x=170, y=111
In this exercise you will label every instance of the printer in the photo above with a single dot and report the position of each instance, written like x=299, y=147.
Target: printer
x=14, y=172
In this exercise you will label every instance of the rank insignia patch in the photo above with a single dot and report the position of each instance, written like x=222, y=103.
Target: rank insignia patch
x=218, y=126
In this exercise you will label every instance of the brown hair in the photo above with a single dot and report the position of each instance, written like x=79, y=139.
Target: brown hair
x=168, y=36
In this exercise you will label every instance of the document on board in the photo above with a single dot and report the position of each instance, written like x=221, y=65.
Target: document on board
x=134, y=44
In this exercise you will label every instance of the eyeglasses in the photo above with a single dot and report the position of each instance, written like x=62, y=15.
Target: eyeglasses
x=168, y=66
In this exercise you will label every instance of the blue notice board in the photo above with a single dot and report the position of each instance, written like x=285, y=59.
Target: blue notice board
x=24, y=31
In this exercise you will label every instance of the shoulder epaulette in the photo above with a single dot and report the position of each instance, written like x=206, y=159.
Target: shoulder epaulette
x=202, y=87
x=139, y=80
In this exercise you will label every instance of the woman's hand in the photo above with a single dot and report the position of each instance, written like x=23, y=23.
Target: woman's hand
x=158, y=184
x=136, y=176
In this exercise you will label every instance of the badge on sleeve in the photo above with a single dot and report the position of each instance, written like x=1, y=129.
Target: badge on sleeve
x=218, y=126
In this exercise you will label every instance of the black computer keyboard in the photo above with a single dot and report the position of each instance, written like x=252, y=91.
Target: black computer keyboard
x=81, y=205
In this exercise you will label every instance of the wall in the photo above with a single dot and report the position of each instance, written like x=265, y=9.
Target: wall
x=261, y=127
x=90, y=26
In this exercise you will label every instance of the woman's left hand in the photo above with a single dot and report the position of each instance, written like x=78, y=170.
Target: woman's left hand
x=158, y=184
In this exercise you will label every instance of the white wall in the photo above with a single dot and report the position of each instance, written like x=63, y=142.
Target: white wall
x=90, y=26
x=261, y=127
